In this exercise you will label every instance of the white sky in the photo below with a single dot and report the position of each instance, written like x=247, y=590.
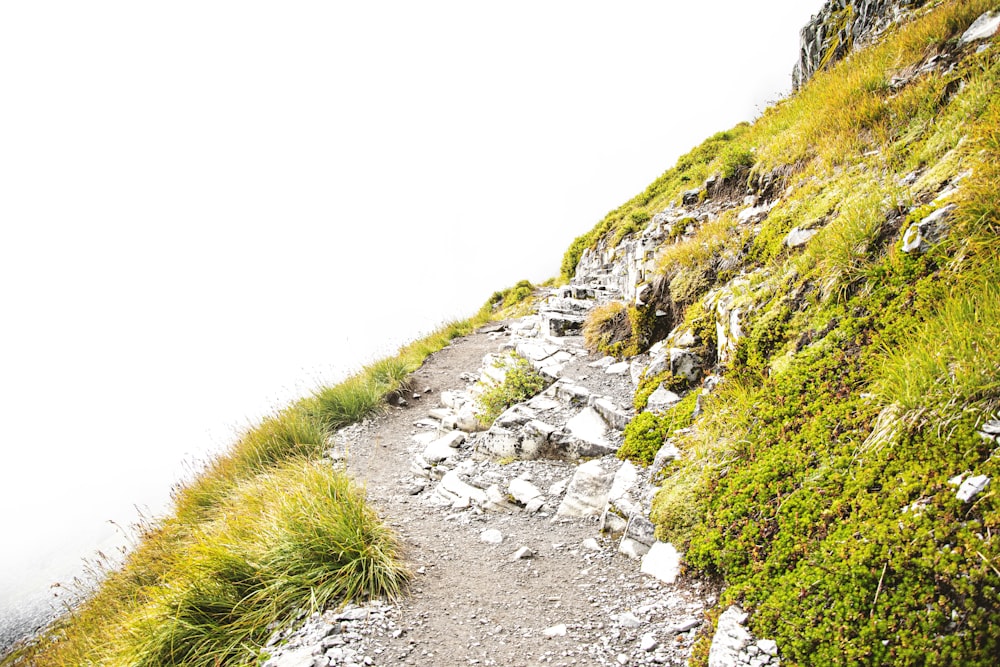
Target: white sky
x=207, y=208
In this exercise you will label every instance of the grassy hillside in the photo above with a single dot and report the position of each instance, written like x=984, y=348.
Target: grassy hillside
x=266, y=532
x=815, y=482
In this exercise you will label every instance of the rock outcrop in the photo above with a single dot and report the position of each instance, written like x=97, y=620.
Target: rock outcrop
x=841, y=26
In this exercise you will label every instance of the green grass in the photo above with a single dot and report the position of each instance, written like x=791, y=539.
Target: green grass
x=299, y=537
x=645, y=434
x=951, y=359
x=815, y=481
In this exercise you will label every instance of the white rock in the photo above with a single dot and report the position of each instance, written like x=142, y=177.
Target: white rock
x=748, y=213
x=591, y=544
x=685, y=625
x=541, y=403
x=627, y=619
x=425, y=437
x=621, y=368
x=635, y=370
x=799, y=237
x=659, y=363
x=523, y=491
x=534, y=351
x=454, y=399
x=523, y=553
x=500, y=443
x=982, y=28
x=467, y=420
x=589, y=426
x=533, y=506
x=491, y=536
x=444, y=448
x=665, y=454
x=648, y=642
x=684, y=363
x=587, y=494
x=559, y=487
x=730, y=639
x=768, y=646
x=661, y=399
x=613, y=416
x=919, y=236
x=663, y=562
x=603, y=362
x=632, y=549
x=972, y=487
x=555, y=631
x=454, y=484
x=495, y=495
x=625, y=479
x=611, y=523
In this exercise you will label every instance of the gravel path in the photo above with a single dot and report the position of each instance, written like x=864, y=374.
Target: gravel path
x=568, y=597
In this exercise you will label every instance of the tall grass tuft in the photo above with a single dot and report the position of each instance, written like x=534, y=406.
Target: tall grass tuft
x=952, y=359
x=844, y=249
x=299, y=538
x=293, y=432
x=261, y=534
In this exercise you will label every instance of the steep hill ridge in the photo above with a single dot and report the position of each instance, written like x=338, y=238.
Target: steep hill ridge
x=827, y=280
x=757, y=424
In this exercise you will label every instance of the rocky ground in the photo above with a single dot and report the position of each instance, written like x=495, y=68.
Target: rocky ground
x=517, y=560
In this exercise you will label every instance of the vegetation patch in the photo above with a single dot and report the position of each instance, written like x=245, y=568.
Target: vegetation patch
x=815, y=483
x=520, y=383
x=619, y=330
x=515, y=301
x=645, y=434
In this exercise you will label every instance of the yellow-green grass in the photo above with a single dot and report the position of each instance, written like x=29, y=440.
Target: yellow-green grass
x=844, y=113
x=265, y=531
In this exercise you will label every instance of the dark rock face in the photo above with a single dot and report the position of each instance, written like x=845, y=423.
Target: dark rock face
x=839, y=27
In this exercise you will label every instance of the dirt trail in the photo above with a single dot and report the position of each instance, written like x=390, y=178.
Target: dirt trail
x=475, y=603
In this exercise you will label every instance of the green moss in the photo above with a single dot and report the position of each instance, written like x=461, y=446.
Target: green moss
x=645, y=434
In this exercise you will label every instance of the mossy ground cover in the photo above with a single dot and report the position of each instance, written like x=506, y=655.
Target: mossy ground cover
x=816, y=481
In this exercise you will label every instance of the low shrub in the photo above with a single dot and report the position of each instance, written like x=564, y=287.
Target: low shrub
x=521, y=382
x=646, y=433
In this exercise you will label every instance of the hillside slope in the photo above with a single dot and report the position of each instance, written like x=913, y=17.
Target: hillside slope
x=804, y=314
x=825, y=282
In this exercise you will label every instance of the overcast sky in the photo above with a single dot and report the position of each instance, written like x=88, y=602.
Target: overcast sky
x=208, y=208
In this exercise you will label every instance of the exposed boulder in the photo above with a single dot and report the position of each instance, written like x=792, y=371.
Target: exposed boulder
x=661, y=400
x=663, y=562
x=982, y=28
x=588, y=491
x=685, y=364
x=798, y=237
x=972, y=487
